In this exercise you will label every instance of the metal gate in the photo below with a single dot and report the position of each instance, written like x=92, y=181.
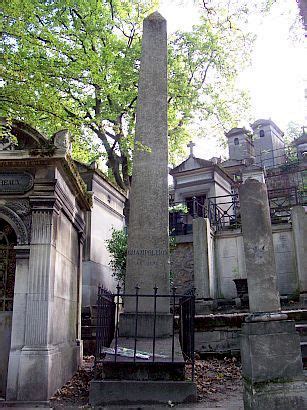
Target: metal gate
x=186, y=322
x=105, y=327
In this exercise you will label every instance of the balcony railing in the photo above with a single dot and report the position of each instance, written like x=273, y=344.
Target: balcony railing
x=224, y=213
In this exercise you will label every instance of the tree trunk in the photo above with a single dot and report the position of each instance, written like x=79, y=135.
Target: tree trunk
x=127, y=210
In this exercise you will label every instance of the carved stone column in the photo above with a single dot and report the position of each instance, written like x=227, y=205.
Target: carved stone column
x=38, y=354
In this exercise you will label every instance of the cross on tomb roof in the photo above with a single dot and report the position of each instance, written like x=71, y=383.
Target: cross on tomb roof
x=191, y=145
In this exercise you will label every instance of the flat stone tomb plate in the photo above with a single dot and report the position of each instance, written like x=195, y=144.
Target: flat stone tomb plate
x=163, y=350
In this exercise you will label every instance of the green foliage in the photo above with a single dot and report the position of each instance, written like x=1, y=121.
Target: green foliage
x=74, y=64
x=293, y=131
x=117, y=247
x=182, y=208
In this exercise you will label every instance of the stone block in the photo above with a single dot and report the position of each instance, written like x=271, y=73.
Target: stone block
x=272, y=367
x=270, y=351
x=145, y=326
x=275, y=396
x=125, y=369
x=133, y=392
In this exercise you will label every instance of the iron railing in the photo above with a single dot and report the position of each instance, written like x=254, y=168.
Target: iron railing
x=223, y=211
x=181, y=215
x=277, y=157
x=182, y=308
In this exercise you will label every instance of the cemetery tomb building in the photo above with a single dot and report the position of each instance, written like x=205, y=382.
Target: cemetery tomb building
x=209, y=189
x=48, y=236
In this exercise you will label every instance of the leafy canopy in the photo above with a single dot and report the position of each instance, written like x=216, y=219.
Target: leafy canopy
x=74, y=64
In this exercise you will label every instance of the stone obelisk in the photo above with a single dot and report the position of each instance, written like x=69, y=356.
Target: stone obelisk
x=148, y=240
x=128, y=380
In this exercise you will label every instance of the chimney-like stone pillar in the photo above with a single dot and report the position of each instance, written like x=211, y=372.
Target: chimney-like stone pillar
x=258, y=247
x=272, y=367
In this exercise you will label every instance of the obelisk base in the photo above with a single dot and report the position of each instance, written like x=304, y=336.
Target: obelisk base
x=146, y=322
x=139, y=381
x=272, y=367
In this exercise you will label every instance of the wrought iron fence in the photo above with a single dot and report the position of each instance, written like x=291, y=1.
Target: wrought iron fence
x=105, y=326
x=281, y=201
x=109, y=306
x=181, y=215
x=277, y=157
x=223, y=211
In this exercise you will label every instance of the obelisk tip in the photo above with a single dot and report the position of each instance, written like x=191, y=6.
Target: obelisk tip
x=155, y=16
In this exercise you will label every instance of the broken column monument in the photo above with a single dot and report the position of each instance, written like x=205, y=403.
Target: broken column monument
x=270, y=348
x=127, y=380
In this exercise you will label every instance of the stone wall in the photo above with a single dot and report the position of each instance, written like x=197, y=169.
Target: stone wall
x=220, y=333
x=229, y=262
x=106, y=213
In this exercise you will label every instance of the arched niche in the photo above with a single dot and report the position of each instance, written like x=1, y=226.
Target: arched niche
x=17, y=224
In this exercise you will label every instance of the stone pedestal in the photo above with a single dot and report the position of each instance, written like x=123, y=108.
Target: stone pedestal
x=272, y=366
x=143, y=381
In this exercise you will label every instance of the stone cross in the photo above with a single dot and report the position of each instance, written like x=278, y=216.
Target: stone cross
x=148, y=241
x=191, y=145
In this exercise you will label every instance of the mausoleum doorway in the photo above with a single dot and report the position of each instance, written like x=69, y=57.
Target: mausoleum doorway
x=8, y=240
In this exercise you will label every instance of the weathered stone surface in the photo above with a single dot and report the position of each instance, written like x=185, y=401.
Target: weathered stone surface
x=148, y=242
x=182, y=266
x=163, y=323
x=272, y=366
x=271, y=351
x=160, y=368
x=258, y=247
x=132, y=391
x=201, y=231
x=275, y=396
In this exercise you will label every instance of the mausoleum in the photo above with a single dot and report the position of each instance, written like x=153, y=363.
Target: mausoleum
x=55, y=215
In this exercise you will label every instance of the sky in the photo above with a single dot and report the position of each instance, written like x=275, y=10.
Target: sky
x=278, y=74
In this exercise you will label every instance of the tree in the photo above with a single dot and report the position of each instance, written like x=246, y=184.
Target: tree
x=74, y=64
x=117, y=247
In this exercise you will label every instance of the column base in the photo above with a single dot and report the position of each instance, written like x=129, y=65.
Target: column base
x=39, y=371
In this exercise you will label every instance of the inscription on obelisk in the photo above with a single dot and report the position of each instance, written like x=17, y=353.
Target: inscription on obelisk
x=148, y=242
